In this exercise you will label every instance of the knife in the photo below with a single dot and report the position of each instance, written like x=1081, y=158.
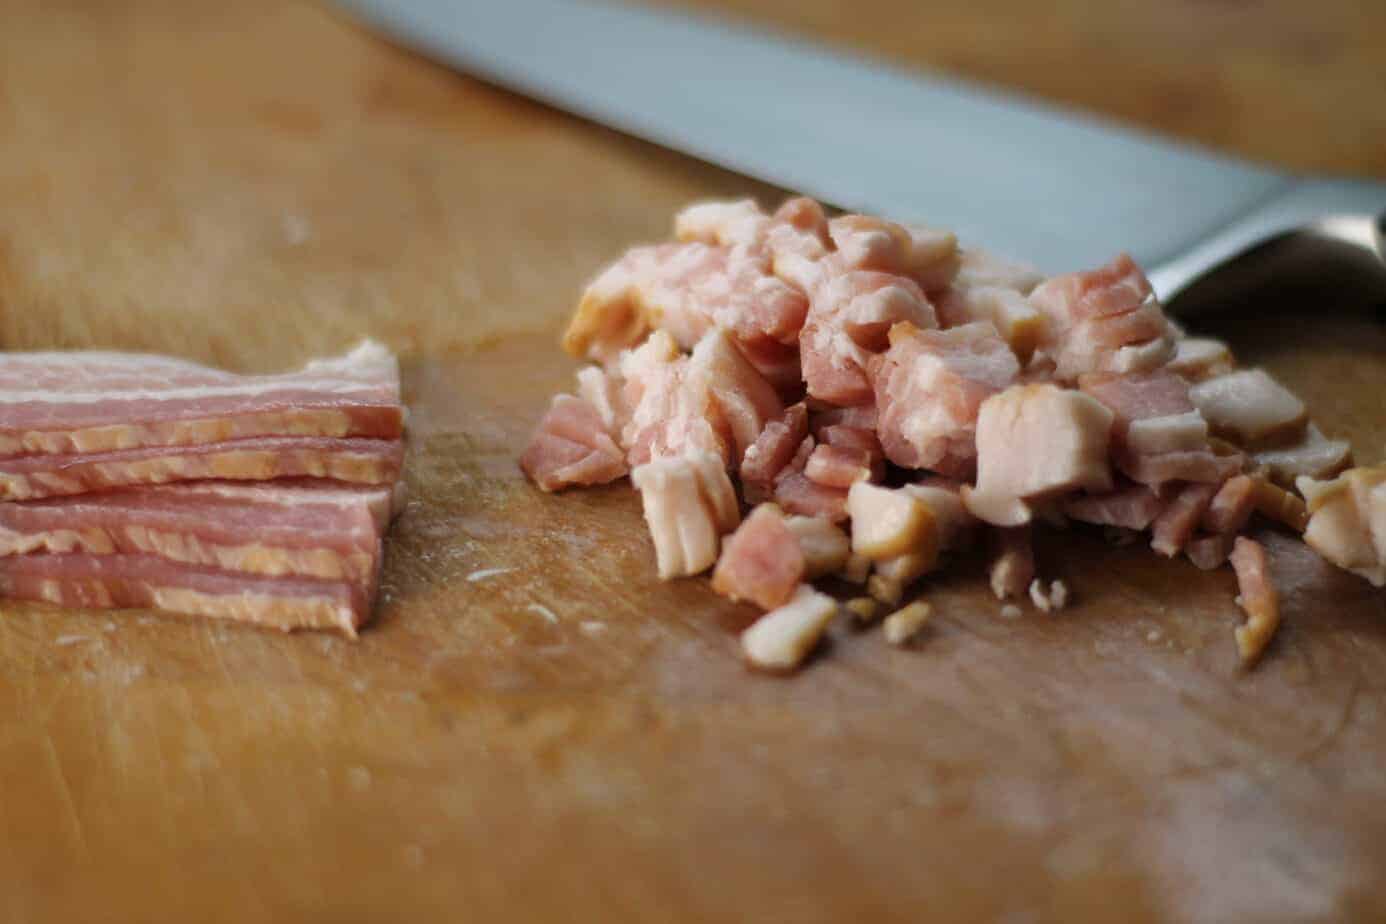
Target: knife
x=1032, y=180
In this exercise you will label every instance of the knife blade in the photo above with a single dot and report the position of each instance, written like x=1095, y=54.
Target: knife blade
x=1051, y=185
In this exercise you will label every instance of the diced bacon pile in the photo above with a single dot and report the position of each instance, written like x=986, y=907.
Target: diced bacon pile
x=881, y=395
x=143, y=481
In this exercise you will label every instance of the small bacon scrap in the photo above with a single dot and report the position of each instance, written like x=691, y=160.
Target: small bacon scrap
x=1314, y=456
x=1104, y=320
x=1257, y=597
x=1064, y=434
x=1050, y=599
x=863, y=609
x=887, y=523
x=1176, y=524
x=825, y=547
x=783, y=637
x=1250, y=408
x=761, y=562
x=1132, y=507
x=1232, y=506
x=689, y=503
x=1347, y=520
x=904, y=624
x=1197, y=358
x=848, y=321
x=1014, y=567
x=930, y=386
x=572, y=447
x=1209, y=552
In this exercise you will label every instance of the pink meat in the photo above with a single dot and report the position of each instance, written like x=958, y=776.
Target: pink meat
x=1138, y=397
x=1197, y=465
x=775, y=447
x=122, y=581
x=89, y=402
x=761, y=561
x=1132, y=507
x=1177, y=522
x=862, y=417
x=572, y=447
x=689, y=289
x=927, y=258
x=850, y=317
x=743, y=399
x=1155, y=396
x=839, y=466
x=1114, y=289
x=1104, y=320
x=858, y=439
x=796, y=493
x=382, y=503
x=1232, y=506
x=359, y=461
x=929, y=386
x=303, y=529
x=673, y=410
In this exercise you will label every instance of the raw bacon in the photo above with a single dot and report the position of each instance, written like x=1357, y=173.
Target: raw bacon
x=70, y=404
x=1104, y=320
x=1132, y=507
x=1177, y=522
x=857, y=369
x=929, y=388
x=105, y=460
x=122, y=581
x=775, y=447
x=359, y=461
x=848, y=324
x=572, y=447
x=273, y=529
x=760, y=562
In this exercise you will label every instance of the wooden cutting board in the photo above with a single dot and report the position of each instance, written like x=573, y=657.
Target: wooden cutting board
x=535, y=728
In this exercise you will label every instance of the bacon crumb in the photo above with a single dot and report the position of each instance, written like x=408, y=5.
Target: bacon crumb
x=1258, y=598
x=783, y=637
x=904, y=624
x=864, y=609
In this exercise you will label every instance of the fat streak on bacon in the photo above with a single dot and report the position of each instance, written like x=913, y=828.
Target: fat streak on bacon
x=123, y=581
x=308, y=529
x=360, y=461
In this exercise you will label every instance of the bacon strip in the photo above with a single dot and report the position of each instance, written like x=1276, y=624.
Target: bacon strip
x=359, y=461
x=331, y=533
x=92, y=402
x=121, y=581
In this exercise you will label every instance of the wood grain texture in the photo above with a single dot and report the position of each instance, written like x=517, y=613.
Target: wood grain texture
x=569, y=738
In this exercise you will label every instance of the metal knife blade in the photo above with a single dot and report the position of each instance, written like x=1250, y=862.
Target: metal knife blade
x=1028, y=179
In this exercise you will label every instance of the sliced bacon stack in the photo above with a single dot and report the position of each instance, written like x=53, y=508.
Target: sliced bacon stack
x=143, y=481
x=854, y=369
